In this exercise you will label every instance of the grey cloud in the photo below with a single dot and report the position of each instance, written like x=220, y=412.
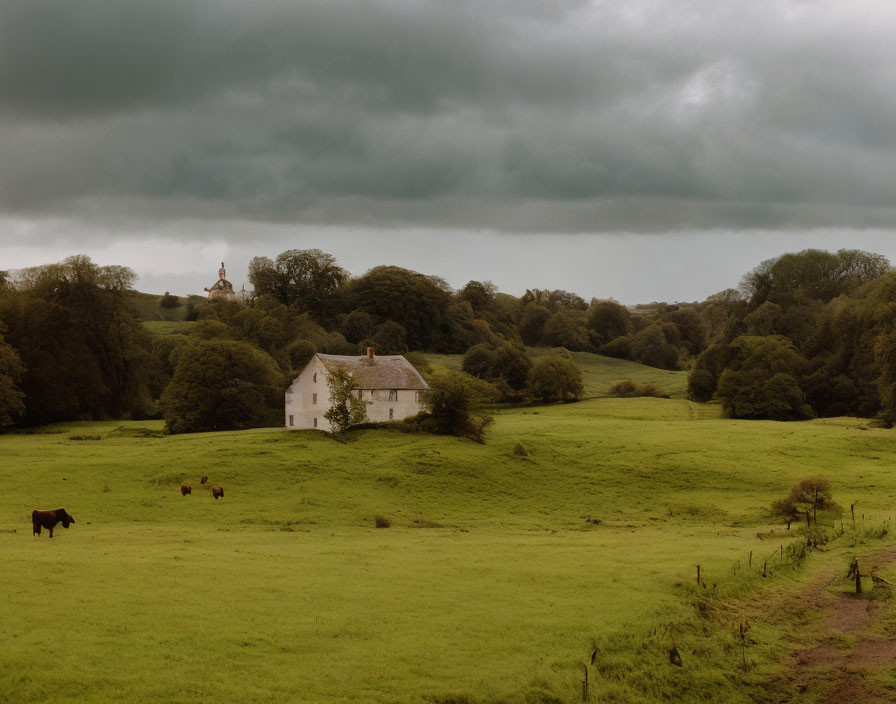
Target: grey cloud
x=546, y=116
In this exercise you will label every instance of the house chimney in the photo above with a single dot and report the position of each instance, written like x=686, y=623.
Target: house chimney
x=370, y=353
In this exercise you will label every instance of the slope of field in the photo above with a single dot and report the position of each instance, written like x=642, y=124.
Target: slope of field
x=148, y=306
x=599, y=373
x=576, y=527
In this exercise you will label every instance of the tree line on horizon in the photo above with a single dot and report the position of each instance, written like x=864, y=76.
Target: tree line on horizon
x=805, y=334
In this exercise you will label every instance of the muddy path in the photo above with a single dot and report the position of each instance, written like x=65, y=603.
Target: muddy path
x=844, y=646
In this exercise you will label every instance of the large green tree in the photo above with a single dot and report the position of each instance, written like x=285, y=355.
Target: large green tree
x=608, y=320
x=504, y=364
x=358, y=326
x=222, y=385
x=651, y=346
x=566, y=328
x=11, y=370
x=763, y=380
x=479, y=294
x=85, y=355
x=532, y=323
x=455, y=404
x=816, y=273
x=308, y=279
x=161, y=361
x=885, y=352
x=555, y=378
x=388, y=338
x=415, y=302
x=553, y=300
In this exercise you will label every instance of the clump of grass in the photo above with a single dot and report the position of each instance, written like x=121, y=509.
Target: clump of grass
x=627, y=388
x=695, y=511
x=520, y=451
x=85, y=437
x=381, y=522
x=137, y=432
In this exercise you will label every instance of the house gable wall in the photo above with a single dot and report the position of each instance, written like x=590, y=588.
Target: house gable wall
x=300, y=398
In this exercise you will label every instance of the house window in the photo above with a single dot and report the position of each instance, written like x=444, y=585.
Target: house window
x=360, y=393
x=314, y=398
x=315, y=377
x=390, y=413
x=292, y=421
x=315, y=422
x=393, y=395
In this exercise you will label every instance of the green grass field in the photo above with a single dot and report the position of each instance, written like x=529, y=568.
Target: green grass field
x=148, y=306
x=599, y=373
x=491, y=585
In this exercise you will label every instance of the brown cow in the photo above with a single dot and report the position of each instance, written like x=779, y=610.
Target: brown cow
x=204, y=479
x=185, y=489
x=218, y=492
x=49, y=519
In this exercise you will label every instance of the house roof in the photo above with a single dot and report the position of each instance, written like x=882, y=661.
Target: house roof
x=390, y=371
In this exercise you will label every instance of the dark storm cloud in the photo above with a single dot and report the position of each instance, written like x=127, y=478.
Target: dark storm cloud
x=549, y=116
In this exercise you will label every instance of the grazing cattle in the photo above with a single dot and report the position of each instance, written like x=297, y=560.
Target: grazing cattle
x=49, y=519
x=185, y=489
x=218, y=492
x=203, y=480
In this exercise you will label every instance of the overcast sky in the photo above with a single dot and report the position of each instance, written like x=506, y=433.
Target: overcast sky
x=640, y=149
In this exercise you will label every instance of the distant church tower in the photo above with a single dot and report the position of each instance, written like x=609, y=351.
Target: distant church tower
x=222, y=289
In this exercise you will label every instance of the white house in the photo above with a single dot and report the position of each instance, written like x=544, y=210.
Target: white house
x=388, y=384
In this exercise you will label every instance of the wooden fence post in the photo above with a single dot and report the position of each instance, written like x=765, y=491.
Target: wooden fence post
x=855, y=571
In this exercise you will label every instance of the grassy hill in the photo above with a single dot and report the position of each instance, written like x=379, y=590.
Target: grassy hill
x=599, y=373
x=575, y=527
x=147, y=306
x=158, y=319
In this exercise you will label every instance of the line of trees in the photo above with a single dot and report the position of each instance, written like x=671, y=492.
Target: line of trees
x=72, y=349
x=809, y=333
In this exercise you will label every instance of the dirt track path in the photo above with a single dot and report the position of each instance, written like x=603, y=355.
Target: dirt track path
x=848, y=647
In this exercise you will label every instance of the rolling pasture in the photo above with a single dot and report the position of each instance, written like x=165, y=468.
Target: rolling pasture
x=599, y=373
x=576, y=527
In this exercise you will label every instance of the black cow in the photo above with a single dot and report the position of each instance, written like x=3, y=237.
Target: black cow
x=49, y=519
